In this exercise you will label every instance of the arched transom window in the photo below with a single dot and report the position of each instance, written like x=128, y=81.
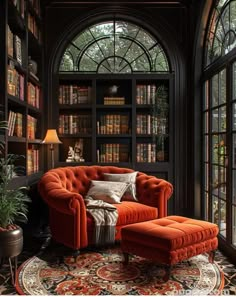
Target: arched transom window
x=114, y=47
x=222, y=34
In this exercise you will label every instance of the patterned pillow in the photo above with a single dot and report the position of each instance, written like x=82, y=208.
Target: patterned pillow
x=130, y=179
x=108, y=191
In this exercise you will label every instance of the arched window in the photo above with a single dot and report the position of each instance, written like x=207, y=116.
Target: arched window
x=114, y=47
x=221, y=37
x=219, y=120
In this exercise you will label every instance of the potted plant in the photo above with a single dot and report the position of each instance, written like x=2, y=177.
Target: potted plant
x=13, y=203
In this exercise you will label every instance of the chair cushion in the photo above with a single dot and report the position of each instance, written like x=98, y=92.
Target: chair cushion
x=129, y=213
x=132, y=212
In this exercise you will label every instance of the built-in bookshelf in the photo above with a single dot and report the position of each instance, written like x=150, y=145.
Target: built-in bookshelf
x=22, y=67
x=122, y=120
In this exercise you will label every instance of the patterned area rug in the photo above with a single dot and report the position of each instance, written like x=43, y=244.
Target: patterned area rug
x=103, y=273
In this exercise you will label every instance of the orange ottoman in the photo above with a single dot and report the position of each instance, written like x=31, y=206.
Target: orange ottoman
x=169, y=240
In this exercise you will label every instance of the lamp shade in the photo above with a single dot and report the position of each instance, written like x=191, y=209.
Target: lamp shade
x=51, y=137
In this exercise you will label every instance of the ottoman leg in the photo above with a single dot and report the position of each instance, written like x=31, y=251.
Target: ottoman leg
x=211, y=256
x=167, y=275
x=126, y=258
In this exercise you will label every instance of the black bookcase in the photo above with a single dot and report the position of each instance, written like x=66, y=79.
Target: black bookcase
x=121, y=120
x=21, y=84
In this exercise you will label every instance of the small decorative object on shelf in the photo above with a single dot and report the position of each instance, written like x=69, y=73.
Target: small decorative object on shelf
x=78, y=149
x=76, y=154
x=112, y=91
x=32, y=66
x=71, y=155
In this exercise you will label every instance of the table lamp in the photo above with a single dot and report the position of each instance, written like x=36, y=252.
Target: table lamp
x=51, y=138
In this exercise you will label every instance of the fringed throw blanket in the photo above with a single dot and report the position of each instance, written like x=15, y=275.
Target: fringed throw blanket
x=105, y=216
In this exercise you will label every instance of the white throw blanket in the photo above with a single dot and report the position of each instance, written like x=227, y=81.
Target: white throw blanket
x=105, y=216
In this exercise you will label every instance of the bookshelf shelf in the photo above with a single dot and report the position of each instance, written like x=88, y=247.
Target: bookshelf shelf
x=22, y=98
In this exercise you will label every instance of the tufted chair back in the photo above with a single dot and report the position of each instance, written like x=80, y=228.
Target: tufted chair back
x=77, y=179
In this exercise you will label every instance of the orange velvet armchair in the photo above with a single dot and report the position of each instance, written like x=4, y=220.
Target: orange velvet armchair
x=64, y=189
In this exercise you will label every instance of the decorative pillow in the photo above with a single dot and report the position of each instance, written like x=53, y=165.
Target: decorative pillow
x=130, y=179
x=108, y=191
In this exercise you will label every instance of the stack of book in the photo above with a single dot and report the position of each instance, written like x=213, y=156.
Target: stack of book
x=113, y=153
x=114, y=100
x=113, y=124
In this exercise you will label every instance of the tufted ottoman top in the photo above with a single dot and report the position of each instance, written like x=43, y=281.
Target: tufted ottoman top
x=170, y=233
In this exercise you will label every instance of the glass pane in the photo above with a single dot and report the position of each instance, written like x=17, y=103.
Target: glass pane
x=222, y=218
x=87, y=64
x=159, y=60
x=215, y=210
x=206, y=176
x=215, y=150
x=206, y=127
x=121, y=46
x=97, y=31
x=67, y=63
x=145, y=38
x=106, y=47
x=206, y=95
x=82, y=40
x=234, y=151
x=215, y=179
x=206, y=202
x=125, y=28
x=222, y=150
x=141, y=64
x=215, y=91
x=222, y=182
x=234, y=186
x=206, y=149
x=215, y=120
x=234, y=117
x=234, y=80
x=234, y=226
x=222, y=78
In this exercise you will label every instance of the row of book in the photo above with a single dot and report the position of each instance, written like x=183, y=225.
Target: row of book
x=31, y=127
x=113, y=124
x=73, y=124
x=149, y=124
x=32, y=159
x=33, y=95
x=15, y=124
x=14, y=46
x=74, y=94
x=34, y=27
x=146, y=94
x=15, y=83
x=113, y=152
x=147, y=152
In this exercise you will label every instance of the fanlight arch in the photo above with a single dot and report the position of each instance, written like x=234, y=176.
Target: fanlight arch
x=221, y=37
x=115, y=46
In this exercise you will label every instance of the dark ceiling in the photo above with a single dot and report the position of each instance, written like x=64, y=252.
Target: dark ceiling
x=165, y=3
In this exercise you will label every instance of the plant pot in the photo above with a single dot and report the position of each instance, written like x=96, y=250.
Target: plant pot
x=11, y=243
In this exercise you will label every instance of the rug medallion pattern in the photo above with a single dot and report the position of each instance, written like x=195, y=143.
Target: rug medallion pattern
x=103, y=273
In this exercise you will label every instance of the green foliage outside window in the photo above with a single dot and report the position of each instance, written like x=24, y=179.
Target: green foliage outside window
x=114, y=47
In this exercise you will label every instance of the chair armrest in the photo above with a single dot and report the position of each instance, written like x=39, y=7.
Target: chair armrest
x=154, y=192
x=58, y=197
